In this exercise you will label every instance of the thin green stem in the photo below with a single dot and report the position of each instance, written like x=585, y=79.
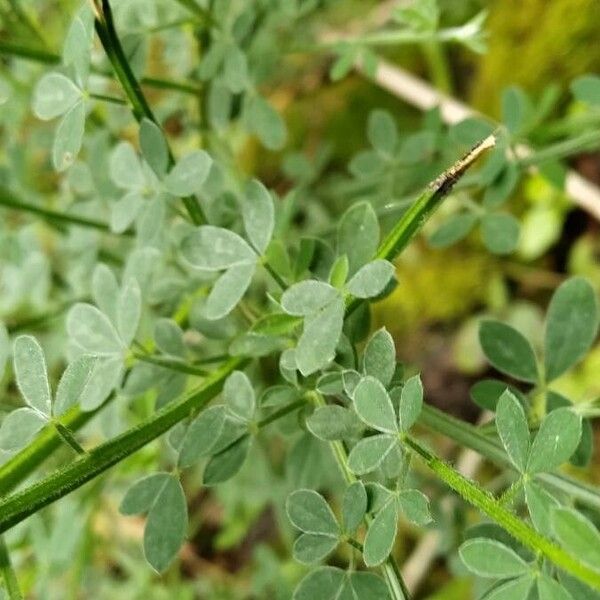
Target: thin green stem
x=517, y=528
x=105, y=28
x=586, y=142
x=9, y=200
x=49, y=58
x=438, y=66
x=413, y=219
x=469, y=436
x=280, y=413
x=171, y=363
x=394, y=579
x=68, y=437
x=21, y=505
x=109, y=99
x=8, y=573
x=22, y=464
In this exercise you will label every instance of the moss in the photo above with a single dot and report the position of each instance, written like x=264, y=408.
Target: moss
x=435, y=286
x=533, y=42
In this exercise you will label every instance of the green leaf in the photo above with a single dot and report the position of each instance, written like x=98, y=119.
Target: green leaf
x=415, y=506
x=331, y=583
x=125, y=210
x=310, y=548
x=354, y=506
x=53, y=96
x=258, y=213
x=189, y=174
x=140, y=497
x=511, y=590
x=202, y=435
x=105, y=377
x=489, y=558
x=307, y=297
x=471, y=130
x=358, y=235
x=366, y=586
x=540, y=504
x=453, y=230
x=577, y=535
x=369, y=453
x=125, y=168
x=19, y=427
x=549, y=589
x=166, y=525
x=379, y=358
x=513, y=429
x=4, y=348
x=503, y=185
x=381, y=534
x=343, y=63
x=382, y=132
x=235, y=70
x=556, y=440
x=227, y=463
x=129, y=308
x=78, y=43
x=92, y=331
x=339, y=272
x=377, y=496
x=373, y=405
x=371, y=279
x=265, y=122
x=571, y=326
x=500, y=233
x=73, y=383
x=105, y=291
x=487, y=392
x=507, y=350
x=411, y=403
x=309, y=512
x=515, y=108
x=68, y=137
x=324, y=583
x=169, y=337
x=154, y=147
x=330, y=384
x=31, y=374
x=215, y=249
x=238, y=394
x=332, y=422
x=320, y=336
x=228, y=290
x=587, y=89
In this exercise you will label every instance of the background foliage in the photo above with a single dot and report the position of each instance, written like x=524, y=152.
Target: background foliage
x=211, y=314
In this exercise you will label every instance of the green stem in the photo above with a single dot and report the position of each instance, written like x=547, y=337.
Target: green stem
x=171, y=363
x=520, y=530
x=48, y=58
x=8, y=199
x=469, y=436
x=109, y=99
x=21, y=505
x=68, y=437
x=282, y=412
x=22, y=464
x=394, y=579
x=111, y=43
x=8, y=573
x=583, y=143
x=438, y=66
x=413, y=219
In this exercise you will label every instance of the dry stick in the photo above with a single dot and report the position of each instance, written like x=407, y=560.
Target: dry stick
x=417, y=92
